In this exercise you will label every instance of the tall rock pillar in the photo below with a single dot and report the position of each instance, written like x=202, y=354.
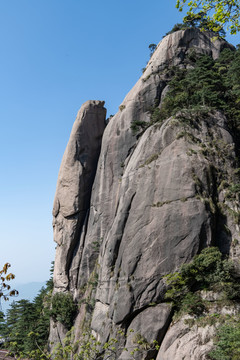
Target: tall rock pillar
x=76, y=176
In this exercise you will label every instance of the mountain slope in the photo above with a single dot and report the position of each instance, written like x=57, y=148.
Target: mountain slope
x=154, y=203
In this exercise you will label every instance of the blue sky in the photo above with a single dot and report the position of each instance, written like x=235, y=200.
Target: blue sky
x=55, y=55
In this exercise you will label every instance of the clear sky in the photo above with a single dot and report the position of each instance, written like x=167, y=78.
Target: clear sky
x=55, y=55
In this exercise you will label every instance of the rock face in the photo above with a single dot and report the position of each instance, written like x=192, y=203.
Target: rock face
x=75, y=179
x=183, y=342
x=72, y=199
x=147, y=209
x=187, y=339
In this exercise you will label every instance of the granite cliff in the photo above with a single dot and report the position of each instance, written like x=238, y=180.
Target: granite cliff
x=135, y=203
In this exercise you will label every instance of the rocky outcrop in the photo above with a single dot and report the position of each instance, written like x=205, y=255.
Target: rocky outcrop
x=74, y=186
x=152, y=205
x=190, y=338
x=72, y=199
x=185, y=342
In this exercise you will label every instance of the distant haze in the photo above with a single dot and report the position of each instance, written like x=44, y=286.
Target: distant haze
x=26, y=291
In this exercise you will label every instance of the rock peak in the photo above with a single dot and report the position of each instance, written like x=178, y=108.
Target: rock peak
x=74, y=186
x=173, y=48
x=142, y=214
x=93, y=104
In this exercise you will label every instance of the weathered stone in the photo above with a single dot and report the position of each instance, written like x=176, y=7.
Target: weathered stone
x=187, y=339
x=75, y=179
x=72, y=199
x=57, y=332
x=101, y=322
x=149, y=325
x=183, y=342
x=152, y=206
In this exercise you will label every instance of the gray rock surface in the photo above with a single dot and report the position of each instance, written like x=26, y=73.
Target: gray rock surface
x=186, y=339
x=71, y=203
x=183, y=342
x=149, y=325
x=150, y=208
x=75, y=179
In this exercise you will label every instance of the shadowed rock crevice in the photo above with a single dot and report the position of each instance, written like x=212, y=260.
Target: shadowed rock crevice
x=77, y=251
x=120, y=231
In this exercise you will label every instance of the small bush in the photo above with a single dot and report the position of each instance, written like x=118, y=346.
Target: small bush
x=207, y=271
x=137, y=125
x=176, y=27
x=63, y=309
x=192, y=304
x=152, y=48
x=227, y=342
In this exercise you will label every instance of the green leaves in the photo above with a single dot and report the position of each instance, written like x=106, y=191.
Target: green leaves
x=209, y=85
x=227, y=341
x=207, y=271
x=224, y=13
x=89, y=348
x=27, y=325
x=63, y=308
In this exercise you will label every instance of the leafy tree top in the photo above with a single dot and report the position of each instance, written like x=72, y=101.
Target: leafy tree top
x=217, y=13
x=199, y=21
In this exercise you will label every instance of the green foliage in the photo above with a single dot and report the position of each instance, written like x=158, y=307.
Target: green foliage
x=227, y=341
x=20, y=321
x=156, y=115
x=194, y=89
x=233, y=191
x=200, y=21
x=192, y=304
x=151, y=158
x=210, y=85
x=24, y=318
x=63, y=308
x=2, y=325
x=216, y=13
x=89, y=348
x=152, y=48
x=137, y=125
x=27, y=324
x=207, y=271
x=177, y=27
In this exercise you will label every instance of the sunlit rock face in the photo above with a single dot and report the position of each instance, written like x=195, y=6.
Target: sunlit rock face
x=127, y=217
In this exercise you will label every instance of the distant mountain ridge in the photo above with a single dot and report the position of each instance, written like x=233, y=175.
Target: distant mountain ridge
x=26, y=291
